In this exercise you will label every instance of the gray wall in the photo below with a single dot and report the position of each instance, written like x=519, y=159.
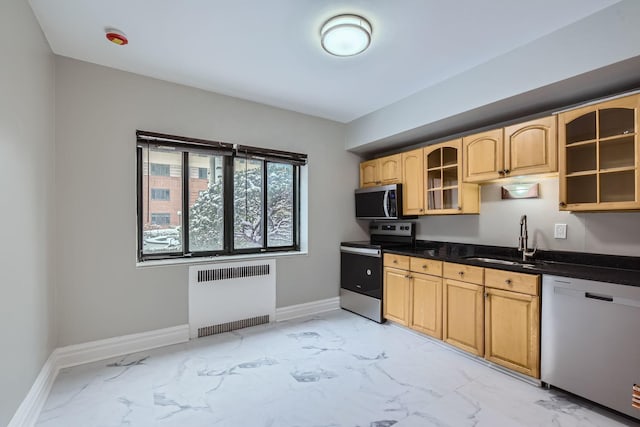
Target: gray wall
x=27, y=329
x=101, y=293
x=615, y=233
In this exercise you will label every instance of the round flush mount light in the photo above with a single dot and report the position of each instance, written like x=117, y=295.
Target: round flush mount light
x=116, y=36
x=345, y=35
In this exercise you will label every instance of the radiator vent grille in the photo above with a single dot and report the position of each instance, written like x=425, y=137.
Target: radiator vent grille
x=232, y=326
x=232, y=272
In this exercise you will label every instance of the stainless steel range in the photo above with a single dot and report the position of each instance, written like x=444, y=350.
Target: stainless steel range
x=361, y=267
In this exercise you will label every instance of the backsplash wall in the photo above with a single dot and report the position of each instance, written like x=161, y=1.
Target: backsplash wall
x=613, y=233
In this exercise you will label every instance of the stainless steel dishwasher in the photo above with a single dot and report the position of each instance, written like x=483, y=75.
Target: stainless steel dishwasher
x=591, y=340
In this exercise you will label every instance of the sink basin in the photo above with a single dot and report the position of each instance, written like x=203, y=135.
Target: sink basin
x=502, y=262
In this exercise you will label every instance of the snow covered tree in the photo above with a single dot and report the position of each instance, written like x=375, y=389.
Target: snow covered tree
x=206, y=225
x=206, y=220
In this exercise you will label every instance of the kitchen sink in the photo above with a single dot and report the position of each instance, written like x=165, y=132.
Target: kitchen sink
x=502, y=262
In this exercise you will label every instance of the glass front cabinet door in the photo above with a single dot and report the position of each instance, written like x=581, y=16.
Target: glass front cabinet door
x=445, y=193
x=598, y=156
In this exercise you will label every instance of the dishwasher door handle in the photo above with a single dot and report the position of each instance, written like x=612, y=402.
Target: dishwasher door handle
x=598, y=297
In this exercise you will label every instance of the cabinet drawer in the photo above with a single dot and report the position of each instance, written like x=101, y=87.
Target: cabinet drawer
x=426, y=266
x=396, y=261
x=464, y=273
x=510, y=281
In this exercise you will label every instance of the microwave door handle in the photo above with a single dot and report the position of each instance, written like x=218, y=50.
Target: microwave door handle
x=385, y=203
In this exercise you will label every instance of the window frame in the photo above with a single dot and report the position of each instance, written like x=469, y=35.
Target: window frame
x=229, y=152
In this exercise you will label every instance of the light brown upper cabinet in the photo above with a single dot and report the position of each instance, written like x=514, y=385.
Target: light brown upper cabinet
x=483, y=155
x=521, y=149
x=531, y=147
x=598, y=156
x=413, y=182
x=382, y=171
x=445, y=191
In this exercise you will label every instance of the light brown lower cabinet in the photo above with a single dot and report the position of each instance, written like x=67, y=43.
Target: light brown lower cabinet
x=396, y=295
x=512, y=321
x=463, y=316
x=426, y=297
x=491, y=313
x=413, y=296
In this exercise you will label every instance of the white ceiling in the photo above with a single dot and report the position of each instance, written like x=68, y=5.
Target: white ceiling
x=269, y=51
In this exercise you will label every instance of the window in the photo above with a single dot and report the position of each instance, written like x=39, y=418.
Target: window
x=158, y=169
x=206, y=207
x=248, y=203
x=210, y=198
x=161, y=218
x=160, y=194
x=280, y=189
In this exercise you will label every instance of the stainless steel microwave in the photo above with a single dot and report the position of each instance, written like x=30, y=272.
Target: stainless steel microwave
x=383, y=202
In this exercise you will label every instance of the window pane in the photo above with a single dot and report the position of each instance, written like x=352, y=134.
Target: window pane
x=160, y=169
x=161, y=201
x=279, y=204
x=206, y=203
x=247, y=203
x=160, y=194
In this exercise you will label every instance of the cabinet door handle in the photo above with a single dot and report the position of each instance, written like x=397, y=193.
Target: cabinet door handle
x=508, y=282
x=424, y=267
x=486, y=295
x=461, y=273
x=501, y=172
x=395, y=261
x=506, y=171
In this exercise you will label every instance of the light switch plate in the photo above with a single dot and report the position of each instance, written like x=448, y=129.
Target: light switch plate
x=560, y=231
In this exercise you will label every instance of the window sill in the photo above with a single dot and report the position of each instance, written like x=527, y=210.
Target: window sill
x=204, y=260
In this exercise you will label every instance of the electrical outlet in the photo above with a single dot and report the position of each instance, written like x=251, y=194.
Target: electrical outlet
x=560, y=231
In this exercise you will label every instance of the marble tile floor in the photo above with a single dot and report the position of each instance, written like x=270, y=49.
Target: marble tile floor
x=334, y=369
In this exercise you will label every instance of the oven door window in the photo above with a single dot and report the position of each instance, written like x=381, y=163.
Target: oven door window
x=361, y=273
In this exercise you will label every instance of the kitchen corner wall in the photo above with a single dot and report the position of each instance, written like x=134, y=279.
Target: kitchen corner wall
x=27, y=322
x=614, y=233
x=101, y=292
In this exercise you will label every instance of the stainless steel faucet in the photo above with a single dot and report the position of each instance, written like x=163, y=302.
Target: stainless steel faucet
x=522, y=240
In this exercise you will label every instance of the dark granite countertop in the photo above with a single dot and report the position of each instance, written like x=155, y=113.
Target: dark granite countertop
x=623, y=270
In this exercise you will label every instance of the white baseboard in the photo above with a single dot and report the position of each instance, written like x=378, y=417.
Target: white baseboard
x=29, y=410
x=73, y=355
x=306, y=309
x=111, y=347
x=64, y=357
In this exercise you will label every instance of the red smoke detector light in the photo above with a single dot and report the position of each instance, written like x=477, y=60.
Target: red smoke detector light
x=117, y=37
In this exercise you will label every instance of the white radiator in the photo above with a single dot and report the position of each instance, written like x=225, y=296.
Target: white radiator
x=228, y=296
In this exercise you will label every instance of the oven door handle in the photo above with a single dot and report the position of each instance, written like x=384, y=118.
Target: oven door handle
x=361, y=251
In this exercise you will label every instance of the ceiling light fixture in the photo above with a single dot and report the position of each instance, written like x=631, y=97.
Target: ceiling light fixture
x=345, y=35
